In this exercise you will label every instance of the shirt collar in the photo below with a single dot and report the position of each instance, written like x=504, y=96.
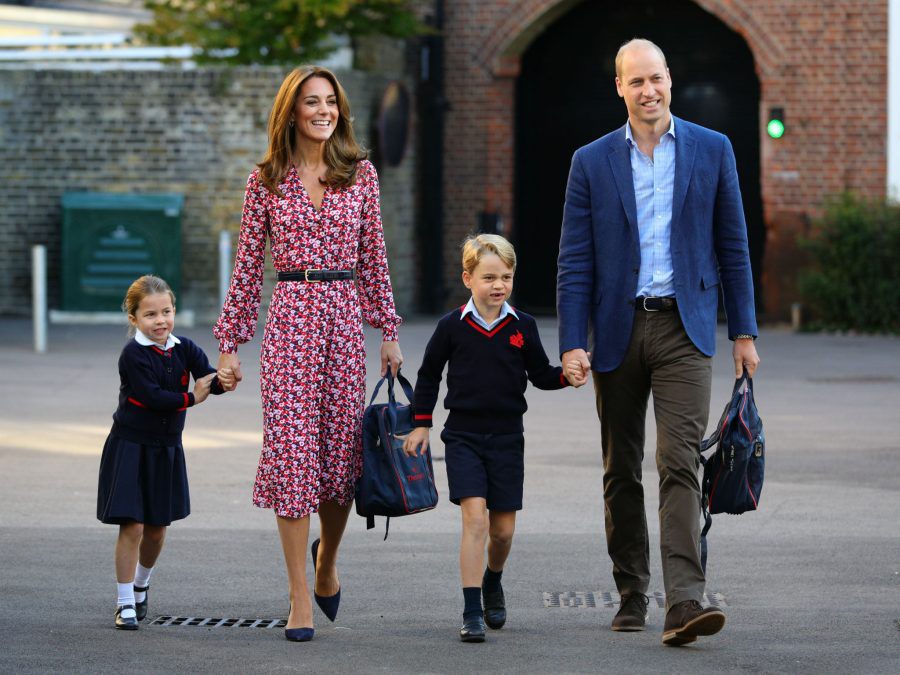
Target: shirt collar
x=629, y=137
x=470, y=308
x=142, y=339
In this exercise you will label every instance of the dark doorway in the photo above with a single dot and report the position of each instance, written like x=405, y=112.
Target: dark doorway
x=566, y=97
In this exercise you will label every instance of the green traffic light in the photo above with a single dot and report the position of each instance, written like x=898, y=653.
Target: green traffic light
x=775, y=128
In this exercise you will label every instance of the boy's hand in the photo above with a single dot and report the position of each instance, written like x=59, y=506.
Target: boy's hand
x=201, y=388
x=414, y=440
x=576, y=366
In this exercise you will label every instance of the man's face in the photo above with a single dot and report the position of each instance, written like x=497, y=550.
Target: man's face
x=645, y=84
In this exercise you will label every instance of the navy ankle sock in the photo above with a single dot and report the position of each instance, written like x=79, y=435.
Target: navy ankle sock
x=491, y=581
x=472, y=596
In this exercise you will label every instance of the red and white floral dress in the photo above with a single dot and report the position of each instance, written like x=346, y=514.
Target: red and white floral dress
x=313, y=360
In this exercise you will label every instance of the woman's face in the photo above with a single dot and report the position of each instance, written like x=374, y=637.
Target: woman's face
x=316, y=111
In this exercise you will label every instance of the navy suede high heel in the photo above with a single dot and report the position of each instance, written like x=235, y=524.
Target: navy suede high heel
x=298, y=634
x=327, y=603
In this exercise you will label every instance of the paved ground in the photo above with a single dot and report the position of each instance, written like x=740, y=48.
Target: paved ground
x=811, y=582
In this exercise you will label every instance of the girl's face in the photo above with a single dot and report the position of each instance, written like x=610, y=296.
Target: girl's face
x=316, y=111
x=155, y=317
x=491, y=283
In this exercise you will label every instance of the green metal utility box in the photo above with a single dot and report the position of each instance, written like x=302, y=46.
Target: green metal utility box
x=109, y=240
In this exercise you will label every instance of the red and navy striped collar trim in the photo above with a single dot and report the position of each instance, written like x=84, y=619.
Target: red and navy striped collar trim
x=481, y=329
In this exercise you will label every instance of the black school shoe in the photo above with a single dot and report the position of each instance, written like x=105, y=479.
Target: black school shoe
x=140, y=608
x=494, y=607
x=472, y=629
x=125, y=623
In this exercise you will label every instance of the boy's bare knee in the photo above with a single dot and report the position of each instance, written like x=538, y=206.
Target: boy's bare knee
x=502, y=537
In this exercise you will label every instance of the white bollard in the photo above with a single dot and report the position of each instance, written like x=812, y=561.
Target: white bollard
x=224, y=265
x=39, y=296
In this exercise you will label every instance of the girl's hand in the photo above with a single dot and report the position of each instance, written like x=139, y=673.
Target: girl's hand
x=391, y=357
x=233, y=363
x=416, y=441
x=201, y=388
x=227, y=379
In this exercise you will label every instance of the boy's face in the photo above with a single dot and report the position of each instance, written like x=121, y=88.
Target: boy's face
x=491, y=283
x=155, y=317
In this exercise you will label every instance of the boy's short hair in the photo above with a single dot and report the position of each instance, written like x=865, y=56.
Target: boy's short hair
x=477, y=246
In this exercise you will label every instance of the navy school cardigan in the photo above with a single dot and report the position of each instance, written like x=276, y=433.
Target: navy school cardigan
x=153, y=394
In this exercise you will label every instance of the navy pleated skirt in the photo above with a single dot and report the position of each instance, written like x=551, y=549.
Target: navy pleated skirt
x=142, y=482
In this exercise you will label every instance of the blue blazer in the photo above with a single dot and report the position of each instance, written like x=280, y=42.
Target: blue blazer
x=600, y=255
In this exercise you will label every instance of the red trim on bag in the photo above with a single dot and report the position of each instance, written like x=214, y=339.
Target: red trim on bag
x=491, y=333
x=136, y=402
x=750, y=490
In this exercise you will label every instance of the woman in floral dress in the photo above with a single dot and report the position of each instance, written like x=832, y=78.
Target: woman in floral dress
x=315, y=199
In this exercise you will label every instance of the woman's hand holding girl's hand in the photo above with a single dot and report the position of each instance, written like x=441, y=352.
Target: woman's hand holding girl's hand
x=416, y=441
x=227, y=379
x=233, y=363
x=201, y=388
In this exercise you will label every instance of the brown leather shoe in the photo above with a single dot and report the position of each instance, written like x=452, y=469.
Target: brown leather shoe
x=687, y=620
x=632, y=614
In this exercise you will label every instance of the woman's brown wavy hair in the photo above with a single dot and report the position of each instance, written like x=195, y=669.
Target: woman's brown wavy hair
x=342, y=152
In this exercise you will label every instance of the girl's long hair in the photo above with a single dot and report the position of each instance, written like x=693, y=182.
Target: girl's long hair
x=342, y=152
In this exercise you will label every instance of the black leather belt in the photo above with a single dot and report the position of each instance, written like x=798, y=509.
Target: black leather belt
x=314, y=276
x=652, y=304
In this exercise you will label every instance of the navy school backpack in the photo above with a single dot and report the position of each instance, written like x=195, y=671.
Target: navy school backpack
x=733, y=473
x=392, y=483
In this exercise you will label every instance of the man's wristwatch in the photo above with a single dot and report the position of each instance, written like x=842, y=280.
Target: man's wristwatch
x=744, y=336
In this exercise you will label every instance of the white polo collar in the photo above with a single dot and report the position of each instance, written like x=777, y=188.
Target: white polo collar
x=142, y=339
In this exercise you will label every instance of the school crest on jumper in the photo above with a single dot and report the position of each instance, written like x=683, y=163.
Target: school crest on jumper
x=517, y=339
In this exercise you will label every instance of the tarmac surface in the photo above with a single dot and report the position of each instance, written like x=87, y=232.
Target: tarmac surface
x=810, y=583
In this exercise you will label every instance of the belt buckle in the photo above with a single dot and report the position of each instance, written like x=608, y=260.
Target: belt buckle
x=308, y=280
x=647, y=309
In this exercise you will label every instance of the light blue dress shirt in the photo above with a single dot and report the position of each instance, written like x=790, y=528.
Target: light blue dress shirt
x=654, y=183
x=470, y=308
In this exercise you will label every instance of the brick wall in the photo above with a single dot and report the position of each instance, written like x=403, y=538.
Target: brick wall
x=196, y=132
x=824, y=62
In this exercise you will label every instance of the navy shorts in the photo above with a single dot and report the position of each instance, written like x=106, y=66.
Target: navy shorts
x=491, y=466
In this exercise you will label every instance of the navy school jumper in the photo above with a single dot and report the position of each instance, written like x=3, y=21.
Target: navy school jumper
x=487, y=374
x=153, y=394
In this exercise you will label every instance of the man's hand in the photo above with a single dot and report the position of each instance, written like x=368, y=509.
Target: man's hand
x=745, y=356
x=576, y=364
x=229, y=380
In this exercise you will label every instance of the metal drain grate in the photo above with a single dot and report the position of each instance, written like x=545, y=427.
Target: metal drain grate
x=601, y=599
x=217, y=623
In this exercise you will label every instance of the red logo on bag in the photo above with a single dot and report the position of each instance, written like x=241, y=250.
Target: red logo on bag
x=517, y=339
x=415, y=475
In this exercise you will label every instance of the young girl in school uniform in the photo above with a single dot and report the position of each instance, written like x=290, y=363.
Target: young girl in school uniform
x=143, y=483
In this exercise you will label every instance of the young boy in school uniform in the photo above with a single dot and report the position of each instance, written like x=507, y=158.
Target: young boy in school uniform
x=491, y=350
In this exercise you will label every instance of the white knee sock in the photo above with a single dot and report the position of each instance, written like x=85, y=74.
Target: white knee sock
x=126, y=594
x=142, y=580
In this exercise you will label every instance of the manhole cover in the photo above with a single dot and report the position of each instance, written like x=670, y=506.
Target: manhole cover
x=598, y=599
x=217, y=623
x=852, y=379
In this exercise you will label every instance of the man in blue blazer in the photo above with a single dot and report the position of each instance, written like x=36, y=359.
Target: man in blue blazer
x=653, y=226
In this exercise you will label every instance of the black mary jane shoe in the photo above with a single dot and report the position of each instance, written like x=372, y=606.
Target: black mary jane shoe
x=494, y=608
x=327, y=603
x=472, y=630
x=126, y=622
x=140, y=608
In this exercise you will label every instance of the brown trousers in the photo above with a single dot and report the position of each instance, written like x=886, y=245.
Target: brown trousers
x=662, y=360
